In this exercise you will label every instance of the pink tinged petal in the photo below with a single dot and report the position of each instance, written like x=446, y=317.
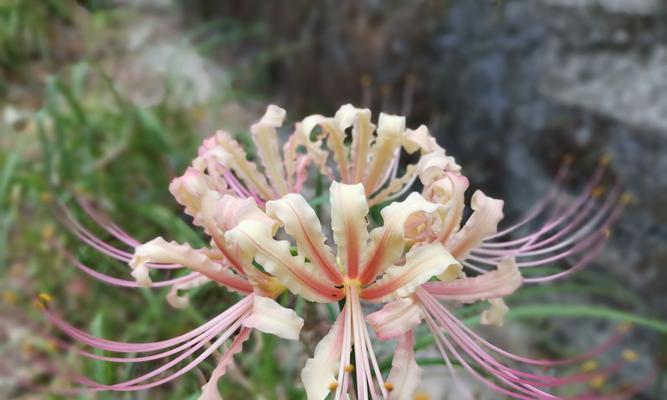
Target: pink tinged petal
x=433, y=166
x=188, y=190
x=301, y=223
x=158, y=250
x=389, y=134
x=266, y=140
x=490, y=285
x=388, y=241
x=396, y=318
x=495, y=315
x=319, y=373
x=421, y=264
x=349, y=208
x=270, y=317
x=482, y=223
x=405, y=374
x=210, y=389
x=255, y=240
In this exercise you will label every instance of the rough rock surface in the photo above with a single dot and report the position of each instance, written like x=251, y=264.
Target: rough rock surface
x=529, y=82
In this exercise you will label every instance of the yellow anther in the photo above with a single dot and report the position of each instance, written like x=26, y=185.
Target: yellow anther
x=48, y=232
x=45, y=297
x=46, y=197
x=365, y=80
x=38, y=304
x=627, y=198
x=9, y=297
x=568, y=159
x=598, y=191
x=52, y=345
x=625, y=327
x=349, y=368
x=598, y=381
x=27, y=349
x=605, y=159
x=590, y=366
x=421, y=227
x=421, y=396
x=630, y=355
x=389, y=386
x=333, y=386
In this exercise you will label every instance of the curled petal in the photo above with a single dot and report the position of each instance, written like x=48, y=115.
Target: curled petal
x=301, y=223
x=179, y=301
x=229, y=211
x=255, y=240
x=405, y=374
x=450, y=191
x=396, y=318
x=435, y=165
x=266, y=139
x=390, y=239
x=482, y=223
x=421, y=264
x=490, y=285
x=420, y=139
x=349, y=208
x=495, y=315
x=314, y=147
x=160, y=251
x=389, y=134
x=320, y=371
x=270, y=317
x=362, y=137
x=188, y=190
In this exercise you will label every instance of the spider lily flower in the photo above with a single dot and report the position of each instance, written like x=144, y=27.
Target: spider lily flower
x=373, y=157
x=219, y=264
x=368, y=266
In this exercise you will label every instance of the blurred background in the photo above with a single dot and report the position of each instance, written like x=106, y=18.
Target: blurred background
x=110, y=99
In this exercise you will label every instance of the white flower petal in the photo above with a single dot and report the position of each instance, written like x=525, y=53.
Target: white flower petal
x=421, y=264
x=301, y=223
x=495, y=315
x=266, y=140
x=349, y=208
x=389, y=134
x=482, y=223
x=255, y=240
x=405, y=374
x=270, y=317
x=160, y=251
x=389, y=240
x=320, y=371
x=396, y=318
